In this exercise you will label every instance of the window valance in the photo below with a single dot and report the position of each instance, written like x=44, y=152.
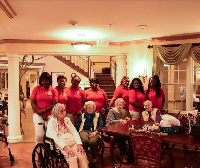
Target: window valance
x=176, y=53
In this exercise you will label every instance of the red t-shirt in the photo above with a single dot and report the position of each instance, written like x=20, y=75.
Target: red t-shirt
x=136, y=96
x=44, y=97
x=156, y=101
x=75, y=98
x=62, y=95
x=122, y=92
x=99, y=97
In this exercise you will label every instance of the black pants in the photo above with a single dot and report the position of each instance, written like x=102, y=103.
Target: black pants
x=121, y=140
x=2, y=109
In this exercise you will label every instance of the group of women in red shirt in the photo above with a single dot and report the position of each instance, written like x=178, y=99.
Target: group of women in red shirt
x=134, y=96
x=44, y=97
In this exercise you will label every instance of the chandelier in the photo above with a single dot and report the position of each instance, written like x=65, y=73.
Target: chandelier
x=81, y=45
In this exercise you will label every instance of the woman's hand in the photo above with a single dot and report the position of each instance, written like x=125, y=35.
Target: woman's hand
x=93, y=134
x=45, y=117
x=80, y=149
x=122, y=121
x=69, y=151
x=40, y=112
x=127, y=118
x=102, y=111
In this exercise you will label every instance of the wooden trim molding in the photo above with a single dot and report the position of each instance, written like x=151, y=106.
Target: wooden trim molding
x=6, y=7
x=156, y=39
x=33, y=64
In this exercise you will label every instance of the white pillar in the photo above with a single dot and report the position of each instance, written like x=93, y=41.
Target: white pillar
x=14, y=133
x=189, y=86
x=121, y=67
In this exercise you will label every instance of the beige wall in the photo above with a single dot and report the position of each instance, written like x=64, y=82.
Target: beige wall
x=102, y=62
x=54, y=65
x=140, y=58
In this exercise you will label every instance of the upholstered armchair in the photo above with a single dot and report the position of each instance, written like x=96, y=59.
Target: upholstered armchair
x=148, y=152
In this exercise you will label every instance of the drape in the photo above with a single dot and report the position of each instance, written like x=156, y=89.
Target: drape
x=172, y=55
x=195, y=53
x=156, y=65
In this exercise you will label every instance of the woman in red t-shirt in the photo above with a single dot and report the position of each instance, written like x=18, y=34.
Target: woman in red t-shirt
x=155, y=93
x=122, y=92
x=98, y=96
x=43, y=99
x=61, y=89
x=76, y=99
x=136, y=98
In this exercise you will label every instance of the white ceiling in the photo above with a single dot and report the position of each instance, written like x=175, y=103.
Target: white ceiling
x=48, y=19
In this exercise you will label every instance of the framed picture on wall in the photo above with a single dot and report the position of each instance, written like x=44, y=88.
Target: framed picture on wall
x=54, y=76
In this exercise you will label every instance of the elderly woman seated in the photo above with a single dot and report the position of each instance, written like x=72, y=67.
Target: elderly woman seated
x=150, y=114
x=66, y=138
x=88, y=126
x=118, y=114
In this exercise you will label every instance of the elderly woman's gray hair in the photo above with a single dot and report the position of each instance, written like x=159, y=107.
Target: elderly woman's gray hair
x=90, y=102
x=147, y=102
x=119, y=100
x=55, y=110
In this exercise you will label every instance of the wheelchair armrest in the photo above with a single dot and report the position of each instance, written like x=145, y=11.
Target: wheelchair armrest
x=50, y=141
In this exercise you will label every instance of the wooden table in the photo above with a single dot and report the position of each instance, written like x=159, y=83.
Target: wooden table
x=177, y=138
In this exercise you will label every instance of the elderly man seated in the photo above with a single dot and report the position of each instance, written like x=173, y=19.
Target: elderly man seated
x=150, y=114
x=66, y=138
x=88, y=126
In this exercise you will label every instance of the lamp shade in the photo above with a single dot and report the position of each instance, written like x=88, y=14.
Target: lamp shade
x=81, y=46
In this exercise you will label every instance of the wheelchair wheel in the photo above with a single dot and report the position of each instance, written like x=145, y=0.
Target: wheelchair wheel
x=41, y=157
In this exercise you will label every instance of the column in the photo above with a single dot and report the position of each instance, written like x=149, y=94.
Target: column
x=189, y=86
x=121, y=67
x=14, y=133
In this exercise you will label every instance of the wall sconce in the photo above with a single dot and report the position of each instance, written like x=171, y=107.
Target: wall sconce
x=143, y=76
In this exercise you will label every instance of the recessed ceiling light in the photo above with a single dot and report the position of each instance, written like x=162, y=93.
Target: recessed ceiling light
x=142, y=26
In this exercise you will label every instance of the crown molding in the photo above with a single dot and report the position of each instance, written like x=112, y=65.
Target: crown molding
x=178, y=37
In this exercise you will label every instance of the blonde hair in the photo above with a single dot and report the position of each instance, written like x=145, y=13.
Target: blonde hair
x=55, y=110
x=119, y=100
x=90, y=102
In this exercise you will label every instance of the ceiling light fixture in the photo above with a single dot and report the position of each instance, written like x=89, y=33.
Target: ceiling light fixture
x=81, y=45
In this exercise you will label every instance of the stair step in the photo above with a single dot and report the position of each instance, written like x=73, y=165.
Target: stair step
x=106, y=83
x=100, y=74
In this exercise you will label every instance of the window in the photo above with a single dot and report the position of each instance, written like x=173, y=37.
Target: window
x=3, y=80
x=174, y=85
x=196, y=86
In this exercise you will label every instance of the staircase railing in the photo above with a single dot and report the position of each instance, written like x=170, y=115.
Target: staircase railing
x=91, y=69
x=83, y=62
x=113, y=67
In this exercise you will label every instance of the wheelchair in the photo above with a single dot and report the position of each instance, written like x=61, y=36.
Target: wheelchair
x=45, y=155
x=3, y=138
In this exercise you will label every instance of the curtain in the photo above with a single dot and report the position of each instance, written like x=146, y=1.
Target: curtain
x=172, y=55
x=195, y=53
x=156, y=65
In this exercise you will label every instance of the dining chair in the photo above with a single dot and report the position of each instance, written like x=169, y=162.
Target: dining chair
x=110, y=140
x=148, y=152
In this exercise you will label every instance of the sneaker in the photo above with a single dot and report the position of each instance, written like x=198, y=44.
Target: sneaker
x=5, y=115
